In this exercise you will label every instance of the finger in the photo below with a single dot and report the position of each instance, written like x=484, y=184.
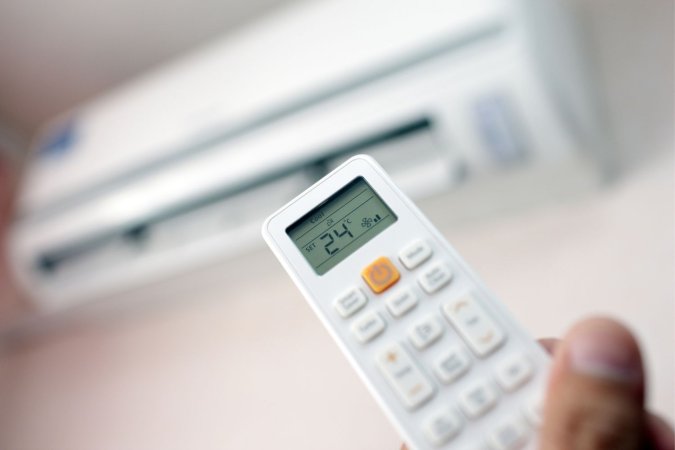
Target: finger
x=661, y=433
x=549, y=344
x=595, y=393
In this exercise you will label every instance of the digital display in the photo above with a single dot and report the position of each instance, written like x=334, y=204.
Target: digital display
x=341, y=225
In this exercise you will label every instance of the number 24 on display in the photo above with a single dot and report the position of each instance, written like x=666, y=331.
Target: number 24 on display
x=332, y=240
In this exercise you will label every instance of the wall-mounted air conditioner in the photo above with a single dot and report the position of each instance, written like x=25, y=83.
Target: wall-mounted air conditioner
x=178, y=168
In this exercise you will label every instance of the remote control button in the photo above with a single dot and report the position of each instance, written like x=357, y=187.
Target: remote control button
x=404, y=377
x=415, y=254
x=510, y=434
x=350, y=302
x=478, y=399
x=401, y=302
x=368, y=327
x=381, y=274
x=513, y=372
x=443, y=426
x=435, y=277
x=534, y=410
x=452, y=365
x=474, y=324
x=425, y=332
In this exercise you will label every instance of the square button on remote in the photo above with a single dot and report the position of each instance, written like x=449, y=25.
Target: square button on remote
x=380, y=274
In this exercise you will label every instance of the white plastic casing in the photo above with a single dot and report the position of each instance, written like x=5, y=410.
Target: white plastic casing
x=321, y=292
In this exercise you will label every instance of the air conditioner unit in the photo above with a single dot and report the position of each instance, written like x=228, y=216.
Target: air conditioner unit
x=177, y=168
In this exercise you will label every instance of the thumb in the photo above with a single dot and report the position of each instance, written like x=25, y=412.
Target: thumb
x=596, y=391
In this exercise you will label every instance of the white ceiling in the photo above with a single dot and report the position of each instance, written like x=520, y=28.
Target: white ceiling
x=55, y=54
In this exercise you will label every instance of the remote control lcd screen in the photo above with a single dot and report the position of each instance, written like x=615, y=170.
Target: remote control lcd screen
x=340, y=225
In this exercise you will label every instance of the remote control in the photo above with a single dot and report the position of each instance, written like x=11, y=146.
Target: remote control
x=441, y=355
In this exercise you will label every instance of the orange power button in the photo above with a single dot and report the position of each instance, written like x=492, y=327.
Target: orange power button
x=380, y=274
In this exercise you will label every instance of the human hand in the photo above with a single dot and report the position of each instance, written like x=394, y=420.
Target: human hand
x=595, y=396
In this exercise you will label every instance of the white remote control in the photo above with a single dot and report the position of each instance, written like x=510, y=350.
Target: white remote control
x=445, y=360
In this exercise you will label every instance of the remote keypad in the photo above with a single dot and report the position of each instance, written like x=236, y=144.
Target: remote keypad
x=401, y=302
x=478, y=398
x=534, y=409
x=510, y=434
x=380, y=275
x=435, y=277
x=476, y=327
x=452, y=365
x=350, y=302
x=415, y=254
x=443, y=425
x=474, y=338
x=368, y=327
x=425, y=332
x=513, y=372
x=404, y=376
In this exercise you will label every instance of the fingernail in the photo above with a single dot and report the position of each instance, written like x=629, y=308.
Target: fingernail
x=602, y=353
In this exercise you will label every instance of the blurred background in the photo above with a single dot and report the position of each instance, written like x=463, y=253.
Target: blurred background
x=142, y=143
